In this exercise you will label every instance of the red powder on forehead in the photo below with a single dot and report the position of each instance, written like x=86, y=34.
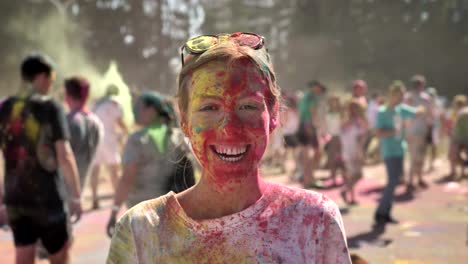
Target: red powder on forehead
x=220, y=73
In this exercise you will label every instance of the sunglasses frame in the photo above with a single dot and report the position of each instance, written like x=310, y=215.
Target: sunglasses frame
x=260, y=44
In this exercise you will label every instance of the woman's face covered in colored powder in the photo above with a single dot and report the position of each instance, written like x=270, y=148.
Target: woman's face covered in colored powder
x=227, y=120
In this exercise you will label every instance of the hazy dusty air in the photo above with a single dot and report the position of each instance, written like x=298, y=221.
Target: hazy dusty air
x=51, y=33
x=328, y=40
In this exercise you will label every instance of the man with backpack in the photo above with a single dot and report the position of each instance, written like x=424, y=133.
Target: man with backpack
x=34, y=140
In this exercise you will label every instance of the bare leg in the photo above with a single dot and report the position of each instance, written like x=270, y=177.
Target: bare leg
x=94, y=185
x=114, y=174
x=308, y=176
x=25, y=254
x=61, y=257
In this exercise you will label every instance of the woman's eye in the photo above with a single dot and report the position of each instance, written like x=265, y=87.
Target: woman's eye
x=248, y=107
x=208, y=108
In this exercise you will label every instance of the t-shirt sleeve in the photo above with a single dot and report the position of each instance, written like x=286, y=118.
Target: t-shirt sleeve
x=335, y=247
x=58, y=122
x=132, y=150
x=407, y=111
x=122, y=249
x=380, y=120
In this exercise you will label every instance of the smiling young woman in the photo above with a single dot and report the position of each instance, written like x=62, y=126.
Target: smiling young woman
x=229, y=106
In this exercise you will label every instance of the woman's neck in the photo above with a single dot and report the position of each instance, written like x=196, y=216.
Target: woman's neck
x=217, y=200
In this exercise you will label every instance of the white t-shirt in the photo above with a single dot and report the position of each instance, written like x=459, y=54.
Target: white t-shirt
x=349, y=141
x=333, y=121
x=285, y=225
x=109, y=112
x=372, y=111
x=291, y=122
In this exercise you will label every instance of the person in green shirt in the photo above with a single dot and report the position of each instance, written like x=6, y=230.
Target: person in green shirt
x=309, y=118
x=459, y=142
x=390, y=126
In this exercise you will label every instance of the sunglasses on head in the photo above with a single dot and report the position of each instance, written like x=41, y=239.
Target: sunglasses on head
x=200, y=44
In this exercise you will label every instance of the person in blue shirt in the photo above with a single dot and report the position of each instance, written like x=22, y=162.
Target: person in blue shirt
x=390, y=125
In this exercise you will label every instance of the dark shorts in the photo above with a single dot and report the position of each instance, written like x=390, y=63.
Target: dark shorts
x=307, y=136
x=429, y=139
x=290, y=141
x=28, y=227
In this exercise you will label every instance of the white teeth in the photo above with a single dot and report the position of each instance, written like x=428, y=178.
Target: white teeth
x=230, y=151
x=231, y=159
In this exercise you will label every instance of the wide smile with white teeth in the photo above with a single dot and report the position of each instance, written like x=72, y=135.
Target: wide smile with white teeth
x=230, y=153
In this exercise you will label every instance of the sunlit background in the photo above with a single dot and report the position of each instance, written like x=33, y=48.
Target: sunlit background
x=331, y=40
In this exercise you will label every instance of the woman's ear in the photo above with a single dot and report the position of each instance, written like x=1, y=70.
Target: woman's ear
x=274, y=117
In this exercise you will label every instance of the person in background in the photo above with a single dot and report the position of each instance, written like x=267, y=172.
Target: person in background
x=391, y=130
x=290, y=121
x=353, y=131
x=229, y=105
x=433, y=134
x=86, y=130
x=333, y=147
x=372, y=153
x=418, y=130
x=108, y=154
x=458, y=102
x=359, y=93
x=309, y=131
x=458, y=150
x=34, y=139
x=152, y=158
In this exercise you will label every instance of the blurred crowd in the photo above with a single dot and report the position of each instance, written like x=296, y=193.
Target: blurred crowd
x=320, y=129
x=342, y=132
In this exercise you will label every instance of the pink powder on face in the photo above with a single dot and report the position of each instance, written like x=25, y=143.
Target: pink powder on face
x=233, y=114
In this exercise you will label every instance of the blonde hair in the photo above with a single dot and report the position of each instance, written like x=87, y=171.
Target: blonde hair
x=229, y=52
x=396, y=87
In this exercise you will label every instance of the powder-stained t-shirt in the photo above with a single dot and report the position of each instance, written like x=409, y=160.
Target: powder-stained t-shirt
x=29, y=128
x=286, y=225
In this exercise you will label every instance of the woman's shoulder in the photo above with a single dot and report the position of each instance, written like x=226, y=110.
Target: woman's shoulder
x=147, y=212
x=306, y=200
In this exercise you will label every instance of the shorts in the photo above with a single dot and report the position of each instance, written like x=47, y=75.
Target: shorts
x=333, y=150
x=354, y=168
x=29, y=226
x=290, y=141
x=307, y=136
x=417, y=149
x=429, y=136
x=107, y=153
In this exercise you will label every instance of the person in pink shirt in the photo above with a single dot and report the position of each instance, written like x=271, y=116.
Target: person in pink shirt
x=229, y=106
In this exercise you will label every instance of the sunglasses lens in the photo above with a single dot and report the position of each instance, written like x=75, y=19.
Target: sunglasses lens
x=201, y=43
x=251, y=40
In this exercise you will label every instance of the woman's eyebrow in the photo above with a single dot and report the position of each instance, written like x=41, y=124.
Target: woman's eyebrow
x=209, y=97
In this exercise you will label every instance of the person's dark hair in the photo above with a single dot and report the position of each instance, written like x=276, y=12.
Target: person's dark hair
x=77, y=88
x=158, y=103
x=35, y=64
x=313, y=83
